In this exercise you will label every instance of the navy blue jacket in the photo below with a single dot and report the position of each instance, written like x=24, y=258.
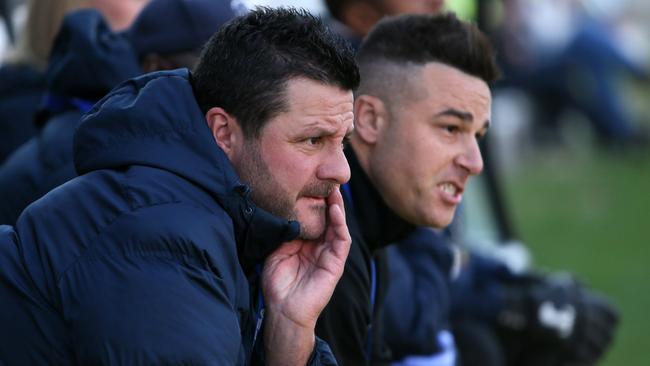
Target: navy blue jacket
x=148, y=256
x=87, y=61
x=430, y=290
x=21, y=90
x=418, y=299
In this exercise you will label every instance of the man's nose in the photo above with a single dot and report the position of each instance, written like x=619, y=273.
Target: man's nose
x=470, y=158
x=334, y=167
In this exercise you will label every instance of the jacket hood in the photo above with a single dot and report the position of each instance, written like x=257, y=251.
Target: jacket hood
x=154, y=120
x=18, y=78
x=88, y=59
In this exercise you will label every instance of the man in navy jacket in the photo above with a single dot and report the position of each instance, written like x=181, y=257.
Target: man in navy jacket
x=206, y=226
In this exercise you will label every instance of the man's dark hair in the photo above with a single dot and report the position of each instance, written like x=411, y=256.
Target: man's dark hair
x=245, y=66
x=420, y=39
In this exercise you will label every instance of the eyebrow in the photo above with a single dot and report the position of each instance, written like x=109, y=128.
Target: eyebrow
x=463, y=116
x=326, y=130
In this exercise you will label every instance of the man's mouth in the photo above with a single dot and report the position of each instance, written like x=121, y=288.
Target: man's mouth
x=451, y=192
x=315, y=198
x=315, y=201
x=317, y=192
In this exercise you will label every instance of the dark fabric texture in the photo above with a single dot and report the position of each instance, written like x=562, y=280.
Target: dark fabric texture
x=349, y=321
x=418, y=300
x=87, y=61
x=175, y=26
x=147, y=256
x=424, y=300
x=21, y=90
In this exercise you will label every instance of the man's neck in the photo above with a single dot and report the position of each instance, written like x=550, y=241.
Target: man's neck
x=379, y=225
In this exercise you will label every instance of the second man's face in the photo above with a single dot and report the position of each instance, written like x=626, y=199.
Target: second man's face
x=429, y=149
x=298, y=159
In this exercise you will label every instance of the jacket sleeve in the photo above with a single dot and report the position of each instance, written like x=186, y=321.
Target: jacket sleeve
x=149, y=309
x=30, y=328
x=322, y=355
x=418, y=298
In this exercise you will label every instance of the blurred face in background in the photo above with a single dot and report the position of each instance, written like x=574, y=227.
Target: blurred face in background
x=44, y=18
x=361, y=16
x=118, y=13
x=394, y=7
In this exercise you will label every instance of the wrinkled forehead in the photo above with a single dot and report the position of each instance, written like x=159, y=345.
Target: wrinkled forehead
x=311, y=104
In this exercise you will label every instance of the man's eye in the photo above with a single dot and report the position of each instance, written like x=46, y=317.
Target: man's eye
x=452, y=129
x=314, y=140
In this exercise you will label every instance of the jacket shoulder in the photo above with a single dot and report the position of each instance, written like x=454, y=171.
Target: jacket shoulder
x=124, y=214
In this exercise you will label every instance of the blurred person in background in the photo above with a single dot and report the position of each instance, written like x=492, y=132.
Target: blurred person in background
x=206, y=225
x=88, y=60
x=22, y=78
x=355, y=18
x=567, y=60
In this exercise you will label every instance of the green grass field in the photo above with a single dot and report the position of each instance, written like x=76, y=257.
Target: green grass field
x=591, y=215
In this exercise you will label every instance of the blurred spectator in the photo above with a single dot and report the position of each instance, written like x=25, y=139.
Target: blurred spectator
x=355, y=18
x=22, y=81
x=567, y=60
x=88, y=60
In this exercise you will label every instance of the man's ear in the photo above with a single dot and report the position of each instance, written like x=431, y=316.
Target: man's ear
x=370, y=118
x=225, y=130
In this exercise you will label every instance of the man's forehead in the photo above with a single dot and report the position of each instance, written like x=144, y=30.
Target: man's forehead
x=442, y=73
x=445, y=81
x=435, y=88
x=314, y=106
x=329, y=126
x=303, y=92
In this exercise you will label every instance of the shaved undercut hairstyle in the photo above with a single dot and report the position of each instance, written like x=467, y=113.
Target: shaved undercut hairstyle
x=245, y=67
x=401, y=44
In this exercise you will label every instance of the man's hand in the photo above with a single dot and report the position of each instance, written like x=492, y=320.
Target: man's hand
x=298, y=280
